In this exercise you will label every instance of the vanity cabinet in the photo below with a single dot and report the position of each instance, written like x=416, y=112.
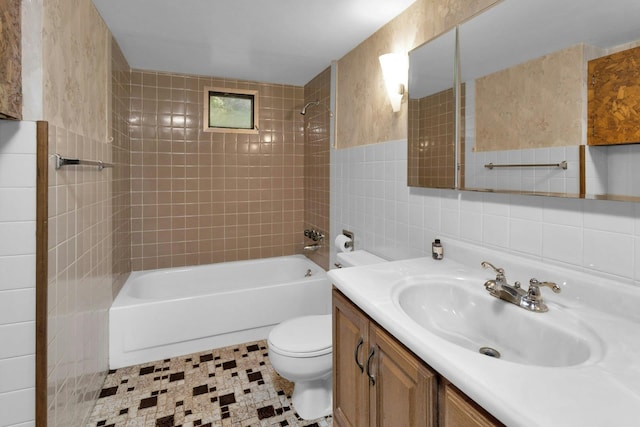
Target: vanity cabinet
x=614, y=99
x=379, y=382
x=10, y=60
x=457, y=410
x=376, y=380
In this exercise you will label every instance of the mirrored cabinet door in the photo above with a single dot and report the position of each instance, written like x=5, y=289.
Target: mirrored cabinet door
x=523, y=83
x=432, y=118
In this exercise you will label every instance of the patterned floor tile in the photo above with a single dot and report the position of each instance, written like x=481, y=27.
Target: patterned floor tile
x=233, y=386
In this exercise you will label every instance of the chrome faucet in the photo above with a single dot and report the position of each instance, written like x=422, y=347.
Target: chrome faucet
x=530, y=299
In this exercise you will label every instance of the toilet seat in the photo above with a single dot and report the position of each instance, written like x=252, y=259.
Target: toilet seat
x=307, y=336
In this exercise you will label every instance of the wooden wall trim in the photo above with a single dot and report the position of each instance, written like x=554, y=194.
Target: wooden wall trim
x=42, y=214
x=583, y=174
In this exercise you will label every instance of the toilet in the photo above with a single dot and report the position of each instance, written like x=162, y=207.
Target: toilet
x=300, y=350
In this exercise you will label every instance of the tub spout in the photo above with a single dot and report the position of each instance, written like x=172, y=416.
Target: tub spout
x=312, y=248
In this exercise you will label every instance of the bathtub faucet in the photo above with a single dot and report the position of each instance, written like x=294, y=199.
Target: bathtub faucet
x=314, y=235
x=312, y=248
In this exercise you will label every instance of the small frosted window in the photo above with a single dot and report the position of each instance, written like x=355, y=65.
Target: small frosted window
x=230, y=110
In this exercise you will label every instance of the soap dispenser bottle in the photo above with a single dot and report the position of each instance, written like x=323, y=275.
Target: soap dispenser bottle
x=436, y=250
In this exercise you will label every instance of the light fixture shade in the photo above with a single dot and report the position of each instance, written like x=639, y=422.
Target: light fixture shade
x=395, y=68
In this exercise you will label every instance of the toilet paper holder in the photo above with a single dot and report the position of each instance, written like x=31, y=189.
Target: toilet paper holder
x=351, y=236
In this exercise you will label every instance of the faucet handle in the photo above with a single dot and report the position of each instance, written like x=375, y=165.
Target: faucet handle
x=499, y=271
x=535, y=284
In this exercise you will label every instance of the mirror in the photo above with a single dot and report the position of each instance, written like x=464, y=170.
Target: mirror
x=431, y=131
x=523, y=98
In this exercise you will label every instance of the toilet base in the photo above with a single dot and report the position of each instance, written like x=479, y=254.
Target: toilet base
x=313, y=399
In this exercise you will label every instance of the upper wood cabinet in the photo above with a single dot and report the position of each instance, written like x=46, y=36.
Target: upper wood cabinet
x=614, y=99
x=10, y=60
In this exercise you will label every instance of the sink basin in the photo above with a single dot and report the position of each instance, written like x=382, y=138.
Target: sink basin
x=461, y=312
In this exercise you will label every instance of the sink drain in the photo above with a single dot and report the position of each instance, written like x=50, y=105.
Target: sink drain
x=491, y=352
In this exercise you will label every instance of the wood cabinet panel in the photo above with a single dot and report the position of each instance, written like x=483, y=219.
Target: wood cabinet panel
x=393, y=387
x=10, y=60
x=614, y=99
x=405, y=391
x=457, y=410
x=377, y=381
x=350, y=390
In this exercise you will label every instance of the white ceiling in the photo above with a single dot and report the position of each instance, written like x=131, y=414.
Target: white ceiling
x=276, y=41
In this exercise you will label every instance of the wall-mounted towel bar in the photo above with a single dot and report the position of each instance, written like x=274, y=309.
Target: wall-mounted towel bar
x=562, y=164
x=64, y=161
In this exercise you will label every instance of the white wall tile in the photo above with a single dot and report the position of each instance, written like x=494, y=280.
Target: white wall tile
x=18, y=204
x=526, y=207
x=18, y=339
x=17, y=170
x=495, y=231
x=554, y=229
x=636, y=257
x=20, y=407
x=525, y=236
x=450, y=222
x=562, y=243
x=17, y=271
x=17, y=137
x=18, y=238
x=471, y=226
x=609, y=252
x=17, y=306
x=562, y=211
x=17, y=373
x=609, y=216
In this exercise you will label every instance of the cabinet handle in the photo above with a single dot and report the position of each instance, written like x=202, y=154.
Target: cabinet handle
x=355, y=354
x=372, y=379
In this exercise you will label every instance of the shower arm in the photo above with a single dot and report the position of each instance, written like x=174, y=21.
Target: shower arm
x=313, y=104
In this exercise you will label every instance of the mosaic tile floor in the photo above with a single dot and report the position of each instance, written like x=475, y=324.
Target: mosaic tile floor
x=230, y=386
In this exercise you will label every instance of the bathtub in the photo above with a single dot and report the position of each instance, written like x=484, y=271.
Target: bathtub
x=170, y=312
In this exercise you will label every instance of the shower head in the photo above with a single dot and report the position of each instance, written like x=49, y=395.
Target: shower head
x=309, y=104
x=313, y=104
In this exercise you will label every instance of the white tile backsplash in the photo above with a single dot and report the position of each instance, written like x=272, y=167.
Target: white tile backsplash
x=598, y=236
x=18, y=339
x=18, y=137
x=18, y=170
x=17, y=373
x=18, y=238
x=18, y=204
x=611, y=251
x=607, y=216
x=17, y=272
x=17, y=306
x=17, y=407
x=525, y=236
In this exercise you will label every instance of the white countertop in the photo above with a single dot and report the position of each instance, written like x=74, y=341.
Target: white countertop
x=604, y=391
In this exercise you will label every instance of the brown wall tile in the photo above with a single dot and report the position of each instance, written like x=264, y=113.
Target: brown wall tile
x=250, y=187
x=316, y=163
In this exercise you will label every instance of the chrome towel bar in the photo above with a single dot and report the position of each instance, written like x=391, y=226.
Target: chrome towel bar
x=562, y=164
x=64, y=161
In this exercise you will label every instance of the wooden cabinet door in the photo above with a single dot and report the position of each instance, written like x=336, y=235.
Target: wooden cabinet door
x=457, y=410
x=10, y=60
x=614, y=99
x=405, y=390
x=350, y=345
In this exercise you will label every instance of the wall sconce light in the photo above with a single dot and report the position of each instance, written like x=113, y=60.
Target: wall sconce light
x=395, y=68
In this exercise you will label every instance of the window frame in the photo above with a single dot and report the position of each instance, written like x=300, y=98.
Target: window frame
x=206, y=112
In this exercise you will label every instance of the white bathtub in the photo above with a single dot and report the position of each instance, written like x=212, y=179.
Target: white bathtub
x=169, y=312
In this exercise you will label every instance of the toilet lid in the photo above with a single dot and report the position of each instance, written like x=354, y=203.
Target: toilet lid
x=302, y=336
